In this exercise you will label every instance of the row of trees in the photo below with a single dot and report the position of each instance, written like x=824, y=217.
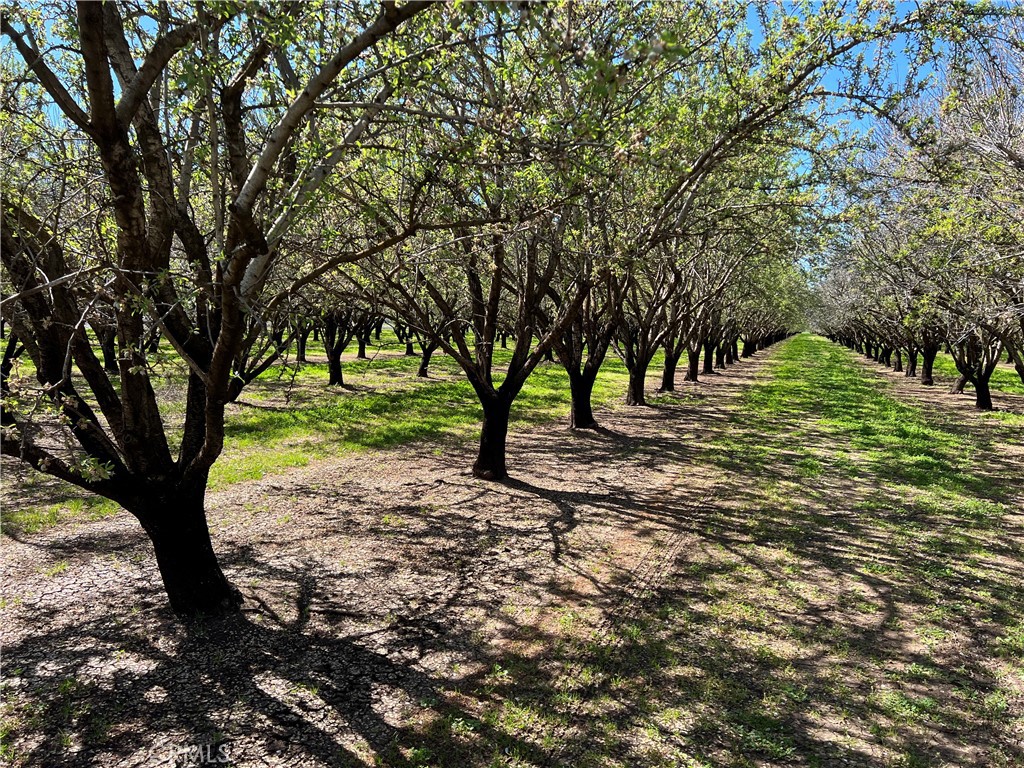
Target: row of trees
x=220, y=176
x=934, y=256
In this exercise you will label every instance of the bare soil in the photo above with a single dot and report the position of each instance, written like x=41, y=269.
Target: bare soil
x=400, y=612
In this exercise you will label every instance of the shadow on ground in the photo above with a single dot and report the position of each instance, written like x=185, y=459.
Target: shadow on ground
x=730, y=578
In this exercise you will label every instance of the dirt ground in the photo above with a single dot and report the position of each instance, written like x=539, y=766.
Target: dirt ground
x=397, y=610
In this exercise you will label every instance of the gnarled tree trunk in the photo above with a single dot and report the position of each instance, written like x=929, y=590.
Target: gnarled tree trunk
x=637, y=382
x=490, y=460
x=928, y=355
x=581, y=412
x=692, y=364
x=709, y=352
x=175, y=521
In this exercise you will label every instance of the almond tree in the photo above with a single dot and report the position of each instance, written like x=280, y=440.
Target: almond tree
x=205, y=155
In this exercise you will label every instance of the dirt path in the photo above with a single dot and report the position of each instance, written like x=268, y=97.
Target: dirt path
x=637, y=596
x=377, y=586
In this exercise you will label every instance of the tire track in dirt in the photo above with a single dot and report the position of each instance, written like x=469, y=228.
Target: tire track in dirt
x=637, y=597
x=640, y=595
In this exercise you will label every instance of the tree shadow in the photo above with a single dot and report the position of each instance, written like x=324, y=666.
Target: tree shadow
x=255, y=684
x=761, y=610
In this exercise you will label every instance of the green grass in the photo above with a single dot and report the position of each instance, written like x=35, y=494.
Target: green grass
x=34, y=518
x=884, y=437
x=854, y=543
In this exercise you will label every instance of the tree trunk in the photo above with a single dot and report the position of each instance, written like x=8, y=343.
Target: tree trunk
x=748, y=348
x=983, y=395
x=692, y=364
x=911, y=363
x=362, y=346
x=898, y=365
x=709, y=358
x=410, y=351
x=637, y=382
x=490, y=460
x=668, y=373
x=928, y=355
x=428, y=350
x=176, y=524
x=720, y=357
x=581, y=412
x=337, y=378
x=300, y=345
x=958, y=386
x=108, y=338
x=12, y=349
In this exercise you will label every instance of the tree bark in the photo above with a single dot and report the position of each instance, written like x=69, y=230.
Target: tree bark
x=958, y=385
x=300, y=344
x=668, y=373
x=428, y=350
x=637, y=381
x=911, y=363
x=581, y=412
x=490, y=460
x=12, y=349
x=720, y=354
x=337, y=335
x=928, y=355
x=108, y=346
x=692, y=364
x=709, y=358
x=175, y=521
x=410, y=351
x=336, y=376
x=983, y=395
